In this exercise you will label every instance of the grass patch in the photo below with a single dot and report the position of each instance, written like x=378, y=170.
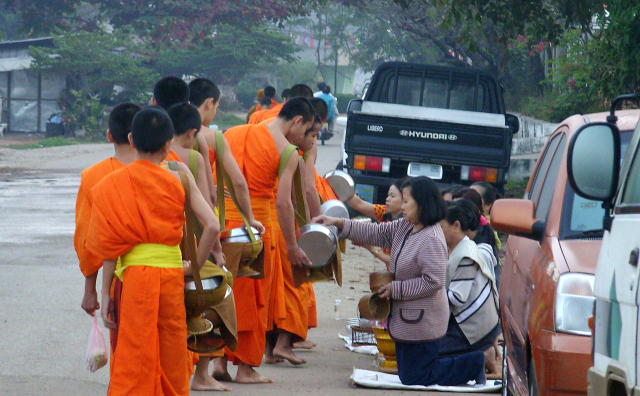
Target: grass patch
x=46, y=142
x=228, y=120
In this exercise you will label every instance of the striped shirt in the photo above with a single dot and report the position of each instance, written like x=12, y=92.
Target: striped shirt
x=419, y=305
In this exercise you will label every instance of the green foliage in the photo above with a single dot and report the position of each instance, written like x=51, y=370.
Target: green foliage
x=47, y=142
x=230, y=55
x=593, y=69
x=98, y=63
x=228, y=120
x=83, y=111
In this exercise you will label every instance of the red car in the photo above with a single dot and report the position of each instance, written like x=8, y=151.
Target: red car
x=546, y=289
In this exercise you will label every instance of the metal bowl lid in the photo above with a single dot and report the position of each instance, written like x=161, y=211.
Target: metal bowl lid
x=207, y=284
x=239, y=232
x=342, y=184
x=318, y=242
x=335, y=208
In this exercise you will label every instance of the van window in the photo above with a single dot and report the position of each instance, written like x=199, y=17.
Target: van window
x=548, y=187
x=542, y=168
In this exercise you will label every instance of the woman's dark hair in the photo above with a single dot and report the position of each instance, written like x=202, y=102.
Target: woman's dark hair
x=397, y=184
x=465, y=212
x=326, y=89
x=471, y=195
x=488, y=193
x=451, y=189
x=431, y=206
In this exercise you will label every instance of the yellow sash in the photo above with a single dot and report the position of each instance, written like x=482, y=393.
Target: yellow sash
x=150, y=255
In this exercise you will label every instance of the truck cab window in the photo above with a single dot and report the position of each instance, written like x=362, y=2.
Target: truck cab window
x=435, y=92
x=409, y=90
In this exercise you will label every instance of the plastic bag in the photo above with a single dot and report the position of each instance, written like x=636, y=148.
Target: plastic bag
x=97, y=350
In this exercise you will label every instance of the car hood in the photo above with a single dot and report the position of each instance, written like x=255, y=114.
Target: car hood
x=581, y=255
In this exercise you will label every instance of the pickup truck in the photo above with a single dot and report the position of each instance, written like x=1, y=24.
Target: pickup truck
x=422, y=120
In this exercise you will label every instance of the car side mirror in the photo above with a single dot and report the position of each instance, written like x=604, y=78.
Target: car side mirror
x=517, y=217
x=354, y=105
x=593, y=161
x=513, y=122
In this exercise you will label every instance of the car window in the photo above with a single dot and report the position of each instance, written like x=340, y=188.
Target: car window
x=631, y=193
x=542, y=168
x=409, y=90
x=549, y=185
x=435, y=92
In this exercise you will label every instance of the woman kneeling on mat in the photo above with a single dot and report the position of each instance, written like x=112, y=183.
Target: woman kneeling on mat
x=419, y=304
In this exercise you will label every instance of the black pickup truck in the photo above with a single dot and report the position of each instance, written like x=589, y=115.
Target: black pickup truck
x=422, y=120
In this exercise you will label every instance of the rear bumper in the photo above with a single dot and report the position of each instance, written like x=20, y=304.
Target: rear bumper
x=562, y=362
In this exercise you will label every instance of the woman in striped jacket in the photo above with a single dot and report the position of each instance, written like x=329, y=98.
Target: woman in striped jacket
x=419, y=304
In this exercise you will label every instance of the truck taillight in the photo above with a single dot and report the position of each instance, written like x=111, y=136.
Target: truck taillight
x=378, y=164
x=473, y=173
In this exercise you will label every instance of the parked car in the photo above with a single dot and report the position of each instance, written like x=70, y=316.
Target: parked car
x=594, y=170
x=546, y=289
x=422, y=120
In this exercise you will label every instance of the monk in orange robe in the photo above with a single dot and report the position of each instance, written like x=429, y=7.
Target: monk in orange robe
x=138, y=215
x=119, y=127
x=257, y=149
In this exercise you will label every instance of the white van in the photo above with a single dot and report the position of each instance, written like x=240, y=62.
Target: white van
x=595, y=172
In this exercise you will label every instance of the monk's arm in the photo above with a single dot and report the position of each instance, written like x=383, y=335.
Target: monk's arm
x=204, y=151
x=284, y=207
x=203, y=184
x=108, y=269
x=361, y=206
x=311, y=192
x=208, y=221
x=239, y=185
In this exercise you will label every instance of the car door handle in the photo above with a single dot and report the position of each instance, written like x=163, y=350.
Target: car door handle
x=633, y=258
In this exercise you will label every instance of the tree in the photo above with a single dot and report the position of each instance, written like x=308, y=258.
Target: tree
x=107, y=67
x=228, y=55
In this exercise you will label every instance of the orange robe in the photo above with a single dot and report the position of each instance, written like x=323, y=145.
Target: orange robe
x=289, y=306
x=172, y=156
x=273, y=104
x=262, y=115
x=255, y=151
x=144, y=204
x=89, y=263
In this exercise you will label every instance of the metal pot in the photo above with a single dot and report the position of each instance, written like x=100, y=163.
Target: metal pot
x=207, y=284
x=239, y=235
x=342, y=184
x=335, y=208
x=318, y=242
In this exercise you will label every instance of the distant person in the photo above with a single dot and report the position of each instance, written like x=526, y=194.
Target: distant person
x=285, y=94
x=269, y=92
x=489, y=196
x=319, y=92
x=263, y=115
x=253, y=108
x=265, y=103
x=327, y=97
x=447, y=192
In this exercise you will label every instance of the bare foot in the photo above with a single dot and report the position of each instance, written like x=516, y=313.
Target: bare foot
x=287, y=353
x=207, y=383
x=306, y=344
x=220, y=372
x=247, y=375
x=272, y=360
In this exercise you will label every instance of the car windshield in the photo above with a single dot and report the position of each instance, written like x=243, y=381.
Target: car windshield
x=582, y=218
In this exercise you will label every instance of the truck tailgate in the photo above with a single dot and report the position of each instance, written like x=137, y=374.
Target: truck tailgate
x=428, y=140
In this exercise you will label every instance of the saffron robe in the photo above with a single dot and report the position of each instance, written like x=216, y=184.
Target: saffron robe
x=262, y=115
x=144, y=204
x=258, y=157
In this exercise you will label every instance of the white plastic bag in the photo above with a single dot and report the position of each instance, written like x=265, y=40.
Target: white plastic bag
x=97, y=350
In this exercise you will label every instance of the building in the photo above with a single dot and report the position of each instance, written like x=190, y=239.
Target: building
x=28, y=98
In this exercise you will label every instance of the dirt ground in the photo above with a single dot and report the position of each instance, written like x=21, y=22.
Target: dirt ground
x=44, y=332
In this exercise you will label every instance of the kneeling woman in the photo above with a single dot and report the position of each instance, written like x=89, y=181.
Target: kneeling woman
x=473, y=297
x=419, y=304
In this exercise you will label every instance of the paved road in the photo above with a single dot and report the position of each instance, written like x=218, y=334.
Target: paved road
x=43, y=331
